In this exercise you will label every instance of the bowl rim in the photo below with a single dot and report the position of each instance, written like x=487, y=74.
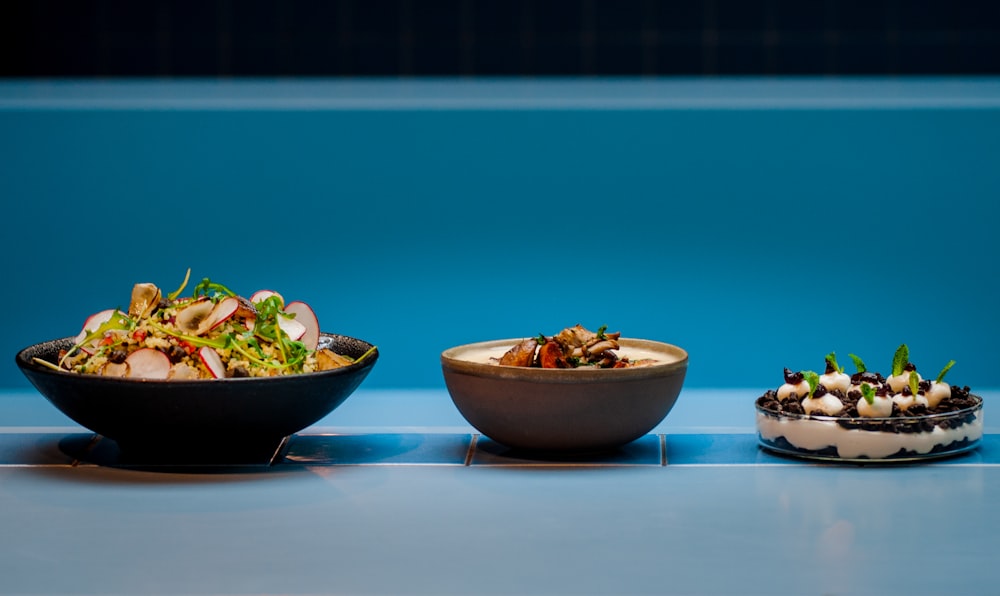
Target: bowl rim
x=451, y=361
x=27, y=365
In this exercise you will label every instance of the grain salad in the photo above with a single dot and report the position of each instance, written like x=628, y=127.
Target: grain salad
x=213, y=333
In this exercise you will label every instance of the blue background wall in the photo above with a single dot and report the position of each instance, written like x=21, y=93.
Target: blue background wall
x=755, y=237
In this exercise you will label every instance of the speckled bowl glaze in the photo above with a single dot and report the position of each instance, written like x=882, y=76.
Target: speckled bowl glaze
x=563, y=410
x=199, y=418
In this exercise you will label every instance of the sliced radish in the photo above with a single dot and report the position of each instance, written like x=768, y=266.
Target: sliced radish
x=210, y=358
x=147, y=363
x=304, y=314
x=222, y=312
x=93, y=322
x=191, y=316
x=261, y=295
x=294, y=329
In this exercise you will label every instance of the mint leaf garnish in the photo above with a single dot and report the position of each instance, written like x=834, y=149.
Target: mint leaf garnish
x=858, y=363
x=813, y=380
x=868, y=392
x=945, y=370
x=832, y=359
x=900, y=359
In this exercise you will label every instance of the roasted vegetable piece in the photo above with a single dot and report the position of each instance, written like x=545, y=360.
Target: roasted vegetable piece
x=523, y=354
x=328, y=359
x=550, y=355
x=573, y=347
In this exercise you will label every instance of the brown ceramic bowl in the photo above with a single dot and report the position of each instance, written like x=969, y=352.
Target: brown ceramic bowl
x=582, y=409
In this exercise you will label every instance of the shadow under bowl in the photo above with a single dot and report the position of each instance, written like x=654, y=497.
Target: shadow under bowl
x=563, y=410
x=197, y=419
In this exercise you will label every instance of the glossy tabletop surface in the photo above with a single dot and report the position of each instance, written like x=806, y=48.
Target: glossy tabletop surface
x=394, y=494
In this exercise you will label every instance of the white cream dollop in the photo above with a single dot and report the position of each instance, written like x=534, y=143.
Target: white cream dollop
x=939, y=390
x=824, y=404
x=897, y=382
x=836, y=380
x=881, y=407
x=796, y=391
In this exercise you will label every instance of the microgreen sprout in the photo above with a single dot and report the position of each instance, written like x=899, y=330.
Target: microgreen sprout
x=944, y=371
x=541, y=339
x=47, y=364
x=370, y=351
x=813, y=380
x=207, y=287
x=859, y=363
x=220, y=342
x=601, y=332
x=868, y=392
x=266, y=327
x=173, y=295
x=261, y=361
x=900, y=359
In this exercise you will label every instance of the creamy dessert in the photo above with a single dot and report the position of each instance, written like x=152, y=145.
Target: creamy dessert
x=867, y=416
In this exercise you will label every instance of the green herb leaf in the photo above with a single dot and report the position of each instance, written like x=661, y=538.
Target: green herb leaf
x=601, y=331
x=945, y=370
x=868, y=392
x=267, y=328
x=813, y=380
x=858, y=363
x=540, y=338
x=914, y=383
x=832, y=359
x=119, y=321
x=900, y=359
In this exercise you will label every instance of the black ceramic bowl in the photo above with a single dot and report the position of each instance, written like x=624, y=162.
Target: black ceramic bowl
x=197, y=417
x=563, y=410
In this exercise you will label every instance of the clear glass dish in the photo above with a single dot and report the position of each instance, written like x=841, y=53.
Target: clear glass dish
x=871, y=440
